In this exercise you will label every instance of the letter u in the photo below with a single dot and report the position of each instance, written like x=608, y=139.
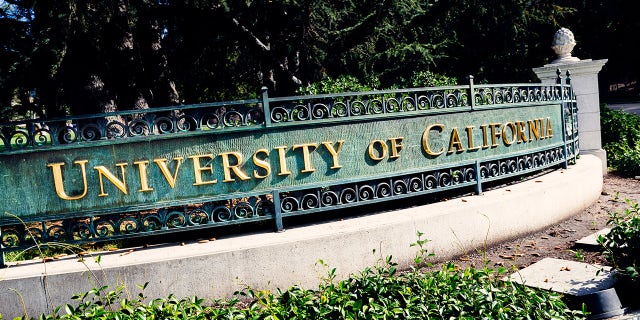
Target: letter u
x=59, y=182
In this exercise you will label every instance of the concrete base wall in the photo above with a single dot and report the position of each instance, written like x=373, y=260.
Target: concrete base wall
x=268, y=260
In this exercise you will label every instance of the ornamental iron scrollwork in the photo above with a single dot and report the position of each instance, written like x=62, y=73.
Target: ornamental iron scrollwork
x=501, y=95
x=125, y=125
x=514, y=166
x=387, y=102
x=123, y=225
x=33, y=135
x=342, y=195
x=322, y=198
x=318, y=107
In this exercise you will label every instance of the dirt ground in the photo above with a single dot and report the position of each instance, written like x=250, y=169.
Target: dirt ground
x=558, y=241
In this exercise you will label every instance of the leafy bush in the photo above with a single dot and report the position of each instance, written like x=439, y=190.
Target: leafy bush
x=621, y=140
x=378, y=292
x=99, y=303
x=430, y=79
x=622, y=243
x=347, y=83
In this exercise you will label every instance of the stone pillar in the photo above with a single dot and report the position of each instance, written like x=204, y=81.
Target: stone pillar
x=584, y=78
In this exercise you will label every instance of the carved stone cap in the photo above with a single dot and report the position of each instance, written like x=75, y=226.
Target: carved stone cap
x=580, y=69
x=563, y=43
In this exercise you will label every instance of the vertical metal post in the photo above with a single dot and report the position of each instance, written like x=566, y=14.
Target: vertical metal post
x=471, y=95
x=265, y=106
x=478, y=178
x=563, y=119
x=45, y=234
x=3, y=263
x=573, y=131
x=564, y=134
x=574, y=125
x=278, y=208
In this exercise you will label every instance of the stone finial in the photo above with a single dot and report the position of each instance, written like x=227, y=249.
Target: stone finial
x=563, y=43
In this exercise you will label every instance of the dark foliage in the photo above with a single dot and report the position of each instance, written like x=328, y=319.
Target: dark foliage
x=98, y=56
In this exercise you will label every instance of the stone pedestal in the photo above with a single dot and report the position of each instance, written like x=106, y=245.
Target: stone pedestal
x=584, y=78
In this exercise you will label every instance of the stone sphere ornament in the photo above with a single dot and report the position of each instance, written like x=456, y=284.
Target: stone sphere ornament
x=563, y=43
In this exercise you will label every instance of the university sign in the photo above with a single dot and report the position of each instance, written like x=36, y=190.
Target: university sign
x=122, y=174
x=142, y=173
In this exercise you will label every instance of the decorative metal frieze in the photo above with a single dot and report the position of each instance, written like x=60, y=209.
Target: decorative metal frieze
x=306, y=108
x=356, y=193
x=514, y=166
x=363, y=192
x=498, y=95
x=398, y=102
x=126, y=125
x=131, y=224
x=33, y=135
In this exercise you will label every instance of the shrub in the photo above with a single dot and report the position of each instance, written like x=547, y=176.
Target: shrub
x=378, y=292
x=622, y=243
x=621, y=140
x=347, y=83
x=430, y=79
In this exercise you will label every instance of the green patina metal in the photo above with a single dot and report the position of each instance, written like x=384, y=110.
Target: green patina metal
x=116, y=175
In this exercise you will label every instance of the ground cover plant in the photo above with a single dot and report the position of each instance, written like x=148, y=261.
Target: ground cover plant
x=622, y=243
x=378, y=292
x=621, y=248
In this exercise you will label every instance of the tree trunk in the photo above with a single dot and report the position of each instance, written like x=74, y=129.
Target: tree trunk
x=163, y=88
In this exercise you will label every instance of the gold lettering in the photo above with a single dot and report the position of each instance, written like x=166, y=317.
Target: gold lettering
x=334, y=152
x=262, y=163
x=522, y=137
x=495, y=133
x=534, y=130
x=396, y=146
x=59, y=182
x=227, y=167
x=164, y=168
x=454, y=140
x=198, y=169
x=485, y=138
x=306, y=157
x=383, y=150
x=505, y=137
x=425, y=140
x=470, y=145
x=144, y=180
x=283, y=161
x=549, y=128
x=104, y=172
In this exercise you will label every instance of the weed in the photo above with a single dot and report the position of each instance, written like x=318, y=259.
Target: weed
x=578, y=254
